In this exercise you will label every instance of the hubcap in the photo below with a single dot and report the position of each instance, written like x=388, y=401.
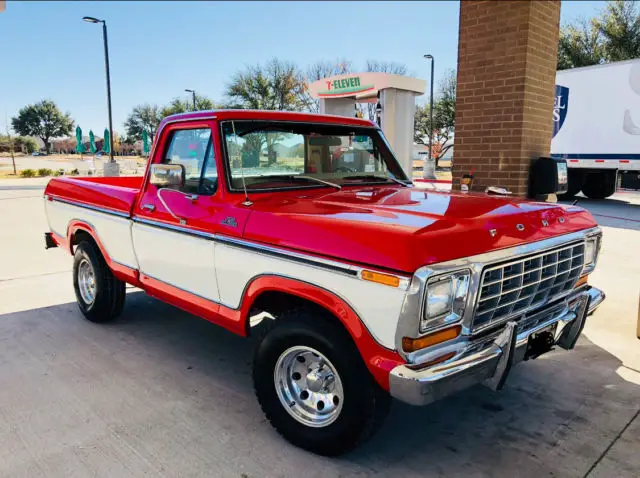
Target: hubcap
x=86, y=282
x=308, y=386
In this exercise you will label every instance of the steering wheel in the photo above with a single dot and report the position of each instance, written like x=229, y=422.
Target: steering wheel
x=344, y=169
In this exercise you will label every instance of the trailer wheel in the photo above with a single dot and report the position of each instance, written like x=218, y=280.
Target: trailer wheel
x=313, y=386
x=599, y=185
x=99, y=294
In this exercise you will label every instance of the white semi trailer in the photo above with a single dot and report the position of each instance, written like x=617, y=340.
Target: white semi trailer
x=596, y=123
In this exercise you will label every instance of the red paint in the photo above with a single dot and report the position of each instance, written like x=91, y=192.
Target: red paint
x=387, y=227
x=121, y=271
x=440, y=181
x=573, y=160
x=115, y=194
x=599, y=160
x=625, y=161
x=379, y=361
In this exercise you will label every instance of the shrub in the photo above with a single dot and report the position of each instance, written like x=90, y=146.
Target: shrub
x=74, y=172
x=27, y=173
x=59, y=172
x=44, y=172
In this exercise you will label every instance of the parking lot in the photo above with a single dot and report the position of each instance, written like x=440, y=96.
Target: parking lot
x=162, y=393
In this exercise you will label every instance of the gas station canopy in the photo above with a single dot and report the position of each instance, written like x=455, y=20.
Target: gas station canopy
x=364, y=86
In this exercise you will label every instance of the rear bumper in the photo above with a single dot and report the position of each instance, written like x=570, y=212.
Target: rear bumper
x=490, y=360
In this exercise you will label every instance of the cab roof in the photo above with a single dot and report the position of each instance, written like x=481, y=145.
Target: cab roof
x=265, y=115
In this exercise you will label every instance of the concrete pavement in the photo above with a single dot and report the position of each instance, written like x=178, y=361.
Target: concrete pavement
x=162, y=393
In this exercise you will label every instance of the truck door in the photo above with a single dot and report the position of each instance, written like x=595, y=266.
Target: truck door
x=172, y=229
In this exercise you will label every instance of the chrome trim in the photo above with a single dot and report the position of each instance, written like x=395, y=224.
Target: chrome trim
x=288, y=255
x=87, y=206
x=173, y=227
x=597, y=297
x=351, y=271
x=409, y=319
x=478, y=361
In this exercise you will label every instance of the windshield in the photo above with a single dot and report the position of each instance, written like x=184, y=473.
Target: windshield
x=271, y=155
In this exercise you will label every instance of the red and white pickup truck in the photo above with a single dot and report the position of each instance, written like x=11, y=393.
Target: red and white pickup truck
x=366, y=286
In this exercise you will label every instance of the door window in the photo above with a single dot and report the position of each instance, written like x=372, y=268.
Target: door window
x=192, y=149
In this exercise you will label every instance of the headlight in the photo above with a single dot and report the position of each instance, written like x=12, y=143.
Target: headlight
x=591, y=249
x=445, y=299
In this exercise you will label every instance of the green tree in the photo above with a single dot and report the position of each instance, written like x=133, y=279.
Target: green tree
x=143, y=117
x=444, y=118
x=278, y=85
x=43, y=120
x=178, y=105
x=620, y=29
x=614, y=35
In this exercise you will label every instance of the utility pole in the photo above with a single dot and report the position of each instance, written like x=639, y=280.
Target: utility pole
x=13, y=158
x=430, y=57
x=193, y=95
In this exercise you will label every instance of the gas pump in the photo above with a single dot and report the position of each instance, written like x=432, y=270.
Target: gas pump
x=394, y=96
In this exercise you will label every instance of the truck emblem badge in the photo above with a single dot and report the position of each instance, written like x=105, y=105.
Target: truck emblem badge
x=561, y=220
x=493, y=232
x=545, y=223
x=229, y=221
x=520, y=227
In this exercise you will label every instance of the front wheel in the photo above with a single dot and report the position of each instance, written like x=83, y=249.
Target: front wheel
x=100, y=295
x=313, y=385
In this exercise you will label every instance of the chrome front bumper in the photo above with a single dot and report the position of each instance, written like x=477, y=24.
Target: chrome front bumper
x=490, y=360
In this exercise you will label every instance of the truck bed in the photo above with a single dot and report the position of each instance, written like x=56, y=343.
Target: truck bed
x=113, y=193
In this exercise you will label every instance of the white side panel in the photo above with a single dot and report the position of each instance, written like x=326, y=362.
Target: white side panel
x=602, y=111
x=180, y=260
x=377, y=305
x=114, y=232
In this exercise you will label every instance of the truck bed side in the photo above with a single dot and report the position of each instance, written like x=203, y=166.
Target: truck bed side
x=113, y=193
x=99, y=206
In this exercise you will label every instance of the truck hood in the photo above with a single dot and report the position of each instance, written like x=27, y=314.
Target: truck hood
x=402, y=229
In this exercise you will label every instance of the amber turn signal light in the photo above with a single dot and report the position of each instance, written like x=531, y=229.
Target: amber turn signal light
x=411, y=345
x=380, y=278
x=582, y=281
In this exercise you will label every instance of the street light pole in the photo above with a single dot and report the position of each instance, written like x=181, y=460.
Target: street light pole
x=430, y=57
x=193, y=95
x=106, y=67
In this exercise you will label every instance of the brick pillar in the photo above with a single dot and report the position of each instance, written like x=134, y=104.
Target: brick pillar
x=507, y=54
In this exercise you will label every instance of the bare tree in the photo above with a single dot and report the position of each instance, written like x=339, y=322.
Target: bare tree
x=318, y=71
x=375, y=66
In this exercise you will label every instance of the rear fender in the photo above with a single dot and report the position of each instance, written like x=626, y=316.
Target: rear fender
x=121, y=271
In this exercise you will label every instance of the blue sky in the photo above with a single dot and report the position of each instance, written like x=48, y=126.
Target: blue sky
x=159, y=48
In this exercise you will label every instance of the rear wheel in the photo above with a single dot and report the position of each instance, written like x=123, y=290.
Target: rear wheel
x=313, y=385
x=599, y=185
x=100, y=295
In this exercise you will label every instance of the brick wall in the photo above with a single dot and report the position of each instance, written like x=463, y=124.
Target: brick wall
x=507, y=54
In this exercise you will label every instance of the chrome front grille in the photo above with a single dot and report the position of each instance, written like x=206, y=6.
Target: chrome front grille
x=512, y=288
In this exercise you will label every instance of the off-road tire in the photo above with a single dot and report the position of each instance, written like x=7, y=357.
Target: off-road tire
x=365, y=403
x=109, y=291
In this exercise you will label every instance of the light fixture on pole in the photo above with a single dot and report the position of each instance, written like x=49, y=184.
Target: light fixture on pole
x=106, y=67
x=430, y=57
x=193, y=95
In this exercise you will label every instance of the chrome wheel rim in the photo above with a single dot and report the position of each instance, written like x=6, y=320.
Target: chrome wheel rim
x=86, y=282
x=308, y=386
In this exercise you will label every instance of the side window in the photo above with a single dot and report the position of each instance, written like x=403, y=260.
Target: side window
x=192, y=149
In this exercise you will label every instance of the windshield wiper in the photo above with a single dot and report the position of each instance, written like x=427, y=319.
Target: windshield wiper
x=375, y=177
x=308, y=178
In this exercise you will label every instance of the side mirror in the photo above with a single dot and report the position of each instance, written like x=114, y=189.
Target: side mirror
x=167, y=175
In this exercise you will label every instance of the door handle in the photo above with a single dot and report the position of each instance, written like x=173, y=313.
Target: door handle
x=149, y=207
x=192, y=197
